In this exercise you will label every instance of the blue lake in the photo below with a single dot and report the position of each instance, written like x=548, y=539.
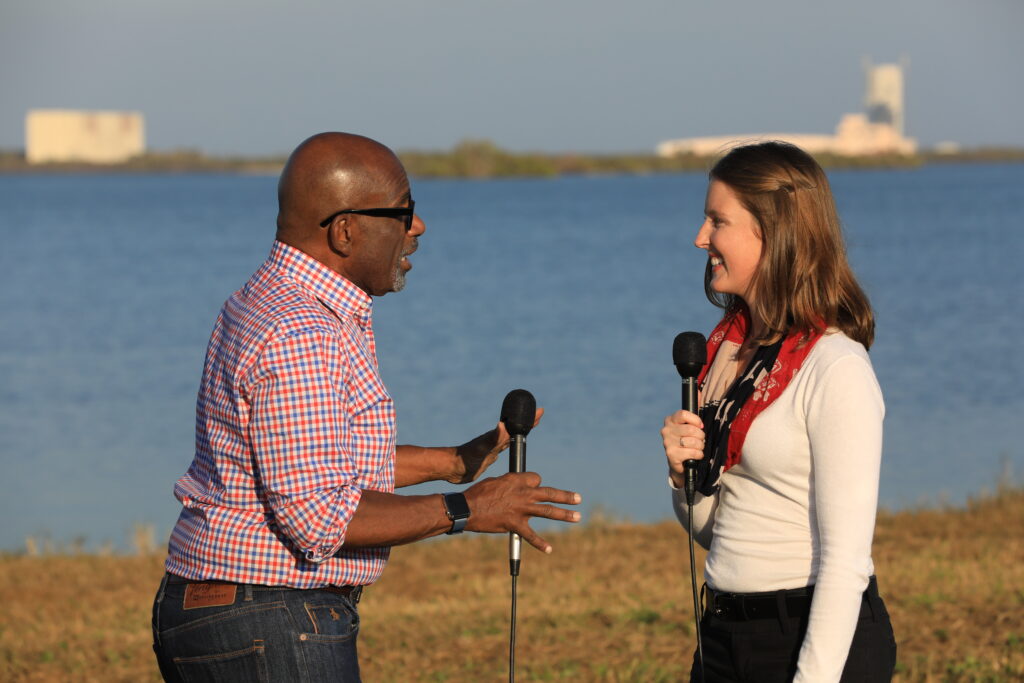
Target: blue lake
x=573, y=288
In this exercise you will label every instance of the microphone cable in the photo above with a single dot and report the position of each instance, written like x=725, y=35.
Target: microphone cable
x=512, y=633
x=698, y=615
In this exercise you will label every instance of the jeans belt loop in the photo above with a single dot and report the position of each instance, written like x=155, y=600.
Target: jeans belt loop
x=157, y=606
x=247, y=589
x=162, y=589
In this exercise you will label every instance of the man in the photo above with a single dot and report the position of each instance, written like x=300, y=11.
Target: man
x=288, y=507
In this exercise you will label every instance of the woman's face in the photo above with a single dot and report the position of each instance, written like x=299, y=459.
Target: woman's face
x=732, y=238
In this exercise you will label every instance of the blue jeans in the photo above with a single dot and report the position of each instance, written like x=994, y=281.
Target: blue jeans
x=264, y=633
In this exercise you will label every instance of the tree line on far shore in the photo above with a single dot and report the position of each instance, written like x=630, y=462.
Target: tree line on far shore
x=485, y=159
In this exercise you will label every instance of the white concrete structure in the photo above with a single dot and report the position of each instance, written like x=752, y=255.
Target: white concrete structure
x=97, y=137
x=878, y=131
x=883, y=94
x=855, y=136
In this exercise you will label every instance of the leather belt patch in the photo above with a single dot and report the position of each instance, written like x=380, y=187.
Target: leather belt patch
x=209, y=595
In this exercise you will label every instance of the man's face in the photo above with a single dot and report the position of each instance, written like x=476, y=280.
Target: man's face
x=410, y=245
x=384, y=246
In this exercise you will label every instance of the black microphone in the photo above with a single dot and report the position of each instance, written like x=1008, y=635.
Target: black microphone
x=689, y=353
x=518, y=411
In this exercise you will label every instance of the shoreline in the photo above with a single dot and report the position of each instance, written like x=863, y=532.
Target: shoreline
x=484, y=160
x=144, y=537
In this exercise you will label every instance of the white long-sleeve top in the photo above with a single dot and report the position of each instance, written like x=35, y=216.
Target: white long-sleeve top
x=799, y=509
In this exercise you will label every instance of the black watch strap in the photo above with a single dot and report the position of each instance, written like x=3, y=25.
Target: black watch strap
x=458, y=511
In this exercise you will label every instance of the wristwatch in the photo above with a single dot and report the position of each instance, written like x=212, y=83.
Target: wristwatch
x=457, y=508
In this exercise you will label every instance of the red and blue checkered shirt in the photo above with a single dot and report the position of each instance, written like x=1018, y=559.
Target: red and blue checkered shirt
x=292, y=423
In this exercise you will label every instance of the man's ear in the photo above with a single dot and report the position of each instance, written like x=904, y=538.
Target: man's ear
x=340, y=235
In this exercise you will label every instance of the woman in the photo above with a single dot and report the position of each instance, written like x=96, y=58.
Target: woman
x=789, y=437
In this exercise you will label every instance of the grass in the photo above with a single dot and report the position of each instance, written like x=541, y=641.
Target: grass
x=612, y=603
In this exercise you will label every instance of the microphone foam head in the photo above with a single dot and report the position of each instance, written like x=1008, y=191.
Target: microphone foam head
x=689, y=353
x=518, y=411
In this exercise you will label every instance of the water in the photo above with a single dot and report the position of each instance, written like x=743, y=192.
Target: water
x=573, y=288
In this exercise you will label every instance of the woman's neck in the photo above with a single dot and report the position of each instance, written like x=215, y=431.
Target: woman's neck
x=757, y=327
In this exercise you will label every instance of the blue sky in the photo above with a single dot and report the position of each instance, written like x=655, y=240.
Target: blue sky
x=257, y=76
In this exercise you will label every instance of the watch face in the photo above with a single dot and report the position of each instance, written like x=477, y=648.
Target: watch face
x=456, y=505
x=458, y=511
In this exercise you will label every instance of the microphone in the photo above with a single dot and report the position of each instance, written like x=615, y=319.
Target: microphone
x=689, y=354
x=518, y=411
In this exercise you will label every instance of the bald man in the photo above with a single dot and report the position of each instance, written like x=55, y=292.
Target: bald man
x=288, y=508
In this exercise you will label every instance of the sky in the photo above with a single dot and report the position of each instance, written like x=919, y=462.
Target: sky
x=255, y=77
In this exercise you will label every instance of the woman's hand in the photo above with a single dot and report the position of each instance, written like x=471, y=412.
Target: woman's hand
x=683, y=438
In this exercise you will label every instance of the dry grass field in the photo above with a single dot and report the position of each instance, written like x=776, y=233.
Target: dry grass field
x=612, y=603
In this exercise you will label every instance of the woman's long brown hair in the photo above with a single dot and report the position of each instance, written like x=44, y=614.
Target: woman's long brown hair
x=803, y=281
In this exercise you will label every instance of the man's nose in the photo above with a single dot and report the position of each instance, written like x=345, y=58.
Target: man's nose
x=418, y=227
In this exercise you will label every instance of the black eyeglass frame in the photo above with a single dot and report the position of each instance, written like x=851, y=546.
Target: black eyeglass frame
x=405, y=212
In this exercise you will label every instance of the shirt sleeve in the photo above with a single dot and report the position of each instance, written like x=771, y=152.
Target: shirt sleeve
x=299, y=426
x=704, y=508
x=844, y=426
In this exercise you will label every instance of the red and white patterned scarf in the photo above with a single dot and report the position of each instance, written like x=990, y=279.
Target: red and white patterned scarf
x=727, y=421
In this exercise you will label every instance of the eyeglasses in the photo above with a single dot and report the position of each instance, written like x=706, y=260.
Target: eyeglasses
x=405, y=212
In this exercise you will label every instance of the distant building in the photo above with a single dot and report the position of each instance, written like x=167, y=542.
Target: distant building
x=855, y=136
x=883, y=93
x=877, y=131
x=97, y=137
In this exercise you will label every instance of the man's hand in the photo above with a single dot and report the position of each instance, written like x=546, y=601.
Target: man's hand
x=507, y=503
x=476, y=455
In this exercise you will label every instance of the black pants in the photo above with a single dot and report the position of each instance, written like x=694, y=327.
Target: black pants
x=764, y=649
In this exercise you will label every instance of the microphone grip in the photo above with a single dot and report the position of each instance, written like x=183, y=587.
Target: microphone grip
x=689, y=401
x=517, y=454
x=516, y=463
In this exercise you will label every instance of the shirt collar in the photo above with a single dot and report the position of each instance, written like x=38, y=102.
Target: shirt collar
x=334, y=291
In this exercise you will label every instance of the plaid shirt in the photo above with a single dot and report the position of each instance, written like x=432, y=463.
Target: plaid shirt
x=292, y=423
